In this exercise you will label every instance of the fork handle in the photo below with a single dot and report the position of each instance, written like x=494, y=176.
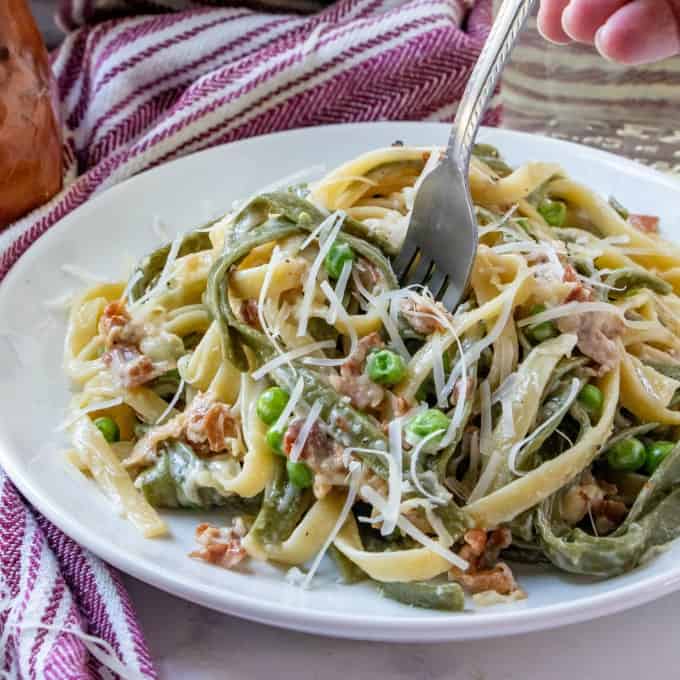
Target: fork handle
x=482, y=83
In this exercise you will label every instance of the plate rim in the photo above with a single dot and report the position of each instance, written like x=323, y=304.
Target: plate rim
x=430, y=627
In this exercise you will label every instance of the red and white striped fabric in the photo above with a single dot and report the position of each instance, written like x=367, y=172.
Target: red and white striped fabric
x=136, y=91
x=54, y=595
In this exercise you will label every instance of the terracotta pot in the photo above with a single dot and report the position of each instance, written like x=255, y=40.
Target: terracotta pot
x=30, y=144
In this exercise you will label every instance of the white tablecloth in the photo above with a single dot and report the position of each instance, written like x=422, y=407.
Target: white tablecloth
x=191, y=643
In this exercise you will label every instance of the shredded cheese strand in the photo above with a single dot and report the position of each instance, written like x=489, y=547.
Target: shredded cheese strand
x=341, y=287
x=438, y=369
x=378, y=502
x=292, y=403
x=485, y=406
x=290, y=356
x=165, y=273
x=394, y=486
x=274, y=260
x=414, y=467
x=517, y=448
x=307, y=426
x=567, y=310
x=334, y=224
x=354, y=481
x=339, y=310
x=173, y=402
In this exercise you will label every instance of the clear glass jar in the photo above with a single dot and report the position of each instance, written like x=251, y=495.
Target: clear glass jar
x=572, y=93
x=30, y=144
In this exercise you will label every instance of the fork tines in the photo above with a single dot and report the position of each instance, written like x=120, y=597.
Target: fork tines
x=413, y=266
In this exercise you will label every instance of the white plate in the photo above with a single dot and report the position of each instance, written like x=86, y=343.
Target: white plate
x=104, y=234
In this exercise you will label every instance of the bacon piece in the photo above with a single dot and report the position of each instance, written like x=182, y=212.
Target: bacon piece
x=209, y=424
x=221, y=545
x=648, y=224
x=598, y=334
x=423, y=315
x=579, y=292
x=131, y=367
x=117, y=328
x=369, y=275
x=249, y=313
x=481, y=551
x=594, y=496
x=321, y=453
x=355, y=362
x=361, y=390
x=353, y=382
x=500, y=579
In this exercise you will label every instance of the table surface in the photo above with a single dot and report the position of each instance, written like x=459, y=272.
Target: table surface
x=192, y=643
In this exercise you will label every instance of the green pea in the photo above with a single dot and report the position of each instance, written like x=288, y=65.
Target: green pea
x=270, y=404
x=591, y=399
x=427, y=422
x=300, y=474
x=541, y=331
x=274, y=438
x=628, y=455
x=386, y=367
x=109, y=428
x=553, y=212
x=656, y=453
x=338, y=254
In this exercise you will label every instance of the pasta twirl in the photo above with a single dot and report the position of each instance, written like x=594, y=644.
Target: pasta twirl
x=271, y=367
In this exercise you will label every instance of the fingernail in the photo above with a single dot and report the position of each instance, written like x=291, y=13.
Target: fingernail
x=565, y=17
x=600, y=41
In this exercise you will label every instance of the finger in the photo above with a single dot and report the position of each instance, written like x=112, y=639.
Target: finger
x=640, y=32
x=550, y=21
x=582, y=18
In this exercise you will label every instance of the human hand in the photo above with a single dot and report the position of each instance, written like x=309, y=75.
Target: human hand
x=627, y=31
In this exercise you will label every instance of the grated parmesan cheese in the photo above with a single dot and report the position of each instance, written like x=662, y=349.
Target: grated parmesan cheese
x=341, y=287
x=378, y=502
x=262, y=300
x=567, y=310
x=517, y=448
x=338, y=310
x=307, y=426
x=165, y=273
x=414, y=467
x=293, y=400
x=287, y=357
x=333, y=223
x=394, y=483
x=172, y=403
x=354, y=481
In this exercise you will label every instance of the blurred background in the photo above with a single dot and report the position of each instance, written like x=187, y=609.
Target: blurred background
x=570, y=93
x=43, y=11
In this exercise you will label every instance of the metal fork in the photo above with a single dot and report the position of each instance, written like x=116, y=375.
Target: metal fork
x=441, y=240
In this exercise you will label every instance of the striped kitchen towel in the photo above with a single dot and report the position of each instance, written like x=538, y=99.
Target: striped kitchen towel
x=64, y=614
x=141, y=82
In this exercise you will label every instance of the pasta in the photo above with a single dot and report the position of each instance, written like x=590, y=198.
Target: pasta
x=269, y=365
